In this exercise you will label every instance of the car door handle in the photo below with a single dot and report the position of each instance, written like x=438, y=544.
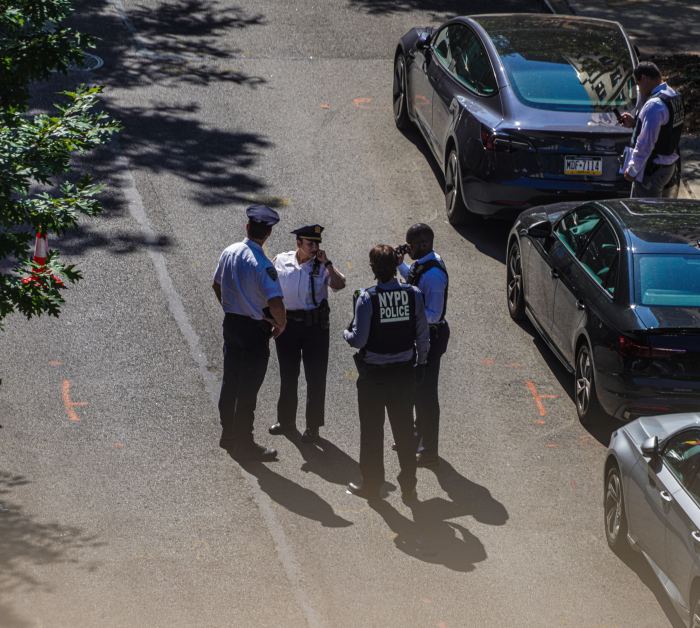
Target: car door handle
x=696, y=536
x=453, y=106
x=554, y=273
x=580, y=305
x=666, y=496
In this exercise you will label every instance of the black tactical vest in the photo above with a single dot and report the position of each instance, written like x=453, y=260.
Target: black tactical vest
x=418, y=270
x=393, y=326
x=670, y=133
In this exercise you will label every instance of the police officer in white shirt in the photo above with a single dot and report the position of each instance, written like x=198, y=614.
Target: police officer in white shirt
x=657, y=134
x=305, y=275
x=246, y=285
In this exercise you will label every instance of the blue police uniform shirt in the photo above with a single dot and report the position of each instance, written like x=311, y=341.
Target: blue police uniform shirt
x=432, y=284
x=247, y=278
x=359, y=334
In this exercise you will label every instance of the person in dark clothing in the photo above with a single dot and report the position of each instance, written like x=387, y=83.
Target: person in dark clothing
x=391, y=332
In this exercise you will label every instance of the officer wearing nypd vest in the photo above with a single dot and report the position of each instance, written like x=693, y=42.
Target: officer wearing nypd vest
x=657, y=134
x=391, y=332
x=429, y=274
x=246, y=285
x=305, y=275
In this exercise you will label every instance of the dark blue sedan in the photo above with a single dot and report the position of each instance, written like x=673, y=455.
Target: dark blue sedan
x=519, y=110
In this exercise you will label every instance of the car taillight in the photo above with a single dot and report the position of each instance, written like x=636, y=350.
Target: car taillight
x=631, y=348
x=493, y=141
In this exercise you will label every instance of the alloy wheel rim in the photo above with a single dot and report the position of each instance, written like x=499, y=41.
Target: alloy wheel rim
x=613, y=507
x=696, y=615
x=583, y=380
x=450, y=183
x=515, y=278
x=399, y=91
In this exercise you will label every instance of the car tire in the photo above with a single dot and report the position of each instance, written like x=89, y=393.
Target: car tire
x=457, y=212
x=514, y=283
x=585, y=395
x=400, y=92
x=614, y=516
x=695, y=612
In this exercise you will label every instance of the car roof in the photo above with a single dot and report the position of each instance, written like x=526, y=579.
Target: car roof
x=659, y=225
x=509, y=19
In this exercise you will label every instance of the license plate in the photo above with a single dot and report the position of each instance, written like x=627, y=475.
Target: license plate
x=592, y=166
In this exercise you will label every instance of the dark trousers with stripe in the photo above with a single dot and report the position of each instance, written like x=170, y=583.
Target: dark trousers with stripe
x=308, y=344
x=379, y=389
x=246, y=354
x=427, y=402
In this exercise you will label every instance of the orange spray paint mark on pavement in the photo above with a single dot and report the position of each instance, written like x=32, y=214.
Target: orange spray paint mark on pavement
x=551, y=445
x=119, y=445
x=488, y=362
x=71, y=405
x=55, y=362
x=537, y=397
x=362, y=102
x=325, y=105
x=540, y=422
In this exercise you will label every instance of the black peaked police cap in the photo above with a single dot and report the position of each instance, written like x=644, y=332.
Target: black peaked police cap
x=264, y=214
x=310, y=232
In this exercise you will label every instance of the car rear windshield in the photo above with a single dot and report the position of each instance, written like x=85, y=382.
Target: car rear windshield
x=667, y=280
x=564, y=64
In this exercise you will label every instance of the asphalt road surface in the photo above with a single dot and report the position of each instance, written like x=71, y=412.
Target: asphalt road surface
x=117, y=507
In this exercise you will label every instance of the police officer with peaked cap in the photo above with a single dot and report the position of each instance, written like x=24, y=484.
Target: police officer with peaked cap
x=304, y=275
x=246, y=285
x=391, y=332
x=429, y=273
x=657, y=133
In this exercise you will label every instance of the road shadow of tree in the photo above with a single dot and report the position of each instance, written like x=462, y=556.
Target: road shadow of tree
x=430, y=537
x=295, y=498
x=441, y=9
x=27, y=545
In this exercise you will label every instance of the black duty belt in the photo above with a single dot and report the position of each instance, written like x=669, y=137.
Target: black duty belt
x=316, y=316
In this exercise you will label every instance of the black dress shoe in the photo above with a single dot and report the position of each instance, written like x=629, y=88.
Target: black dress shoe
x=430, y=461
x=359, y=489
x=279, y=428
x=253, y=451
x=310, y=435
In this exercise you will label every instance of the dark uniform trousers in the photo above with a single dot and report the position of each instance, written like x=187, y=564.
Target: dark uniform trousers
x=246, y=353
x=427, y=402
x=379, y=388
x=308, y=343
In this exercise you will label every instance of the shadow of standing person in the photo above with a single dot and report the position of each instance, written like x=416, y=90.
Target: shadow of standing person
x=295, y=498
x=431, y=539
x=327, y=461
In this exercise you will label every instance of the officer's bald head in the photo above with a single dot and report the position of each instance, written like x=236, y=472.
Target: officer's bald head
x=420, y=237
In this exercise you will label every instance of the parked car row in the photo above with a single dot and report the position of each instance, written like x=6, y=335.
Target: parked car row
x=520, y=112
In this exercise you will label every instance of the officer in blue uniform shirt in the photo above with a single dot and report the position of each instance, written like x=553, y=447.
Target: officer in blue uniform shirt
x=391, y=332
x=246, y=285
x=429, y=274
x=657, y=133
x=305, y=275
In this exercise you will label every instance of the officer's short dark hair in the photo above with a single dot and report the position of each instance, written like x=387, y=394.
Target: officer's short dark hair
x=419, y=230
x=258, y=230
x=382, y=259
x=647, y=68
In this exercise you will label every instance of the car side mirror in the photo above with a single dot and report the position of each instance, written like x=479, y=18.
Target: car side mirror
x=650, y=447
x=541, y=229
x=423, y=41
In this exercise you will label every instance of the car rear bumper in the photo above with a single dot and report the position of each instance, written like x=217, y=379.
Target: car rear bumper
x=631, y=397
x=507, y=198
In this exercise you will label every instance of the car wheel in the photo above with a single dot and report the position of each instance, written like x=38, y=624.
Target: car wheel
x=457, y=212
x=514, y=284
x=587, y=405
x=400, y=94
x=695, y=614
x=614, y=511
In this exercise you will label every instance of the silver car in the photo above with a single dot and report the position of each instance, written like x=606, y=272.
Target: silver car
x=652, y=501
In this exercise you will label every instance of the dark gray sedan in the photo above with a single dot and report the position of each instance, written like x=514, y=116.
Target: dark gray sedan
x=519, y=110
x=652, y=502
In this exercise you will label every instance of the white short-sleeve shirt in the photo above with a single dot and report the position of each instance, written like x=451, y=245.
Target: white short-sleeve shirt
x=295, y=280
x=247, y=278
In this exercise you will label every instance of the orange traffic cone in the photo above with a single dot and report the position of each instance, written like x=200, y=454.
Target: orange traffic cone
x=41, y=255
